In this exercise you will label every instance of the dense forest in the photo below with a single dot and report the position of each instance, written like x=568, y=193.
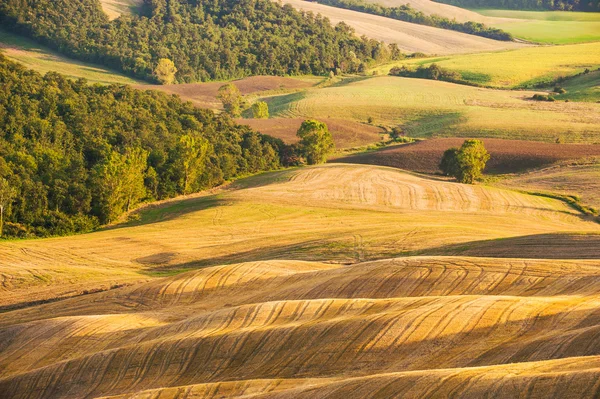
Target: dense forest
x=76, y=155
x=557, y=5
x=408, y=14
x=205, y=39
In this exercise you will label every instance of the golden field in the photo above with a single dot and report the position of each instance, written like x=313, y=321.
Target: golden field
x=301, y=283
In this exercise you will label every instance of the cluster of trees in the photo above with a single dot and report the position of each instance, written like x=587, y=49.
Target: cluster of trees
x=557, y=5
x=409, y=14
x=193, y=40
x=433, y=72
x=466, y=163
x=73, y=155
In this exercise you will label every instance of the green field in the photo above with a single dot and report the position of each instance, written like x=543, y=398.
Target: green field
x=582, y=88
x=525, y=67
x=549, y=27
x=42, y=60
x=427, y=108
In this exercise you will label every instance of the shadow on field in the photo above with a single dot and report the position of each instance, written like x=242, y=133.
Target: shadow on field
x=537, y=246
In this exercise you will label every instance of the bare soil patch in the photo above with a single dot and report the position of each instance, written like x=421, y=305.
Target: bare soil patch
x=346, y=134
x=507, y=156
x=204, y=95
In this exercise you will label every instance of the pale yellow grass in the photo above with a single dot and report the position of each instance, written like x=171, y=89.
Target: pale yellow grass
x=429, y=7
x=395, y=328
x=409, y=37
x=341, y=213
x=116, y=8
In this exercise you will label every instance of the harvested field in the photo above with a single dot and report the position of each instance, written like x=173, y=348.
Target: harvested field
x=410, y=37
x=582, y=181
x=507, y=156
x=204, y=95
x=562, y=245
x=340, y=213
x=397, y=328
x=346, y=134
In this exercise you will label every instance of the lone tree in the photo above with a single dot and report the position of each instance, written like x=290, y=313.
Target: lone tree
x=260, y=110
x=165, y=71
x=232, y=99
x=465, y=163
x=7, y=195
x=316, y=142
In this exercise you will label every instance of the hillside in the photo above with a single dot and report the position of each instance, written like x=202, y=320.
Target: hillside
x=507, y=156
x=427, y=108
x=549, y=27
x=219, y=40
x=341, y=213
x=430, y=7
x=281, y=329
x=409, y=37
x=521, y=68
x=42, y=59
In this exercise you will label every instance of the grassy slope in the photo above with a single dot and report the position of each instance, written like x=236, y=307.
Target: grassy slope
x=581, y=88
x=339, y=212
x=520, y=67
x=42, y=60
x=551, y=27
x=431, y=108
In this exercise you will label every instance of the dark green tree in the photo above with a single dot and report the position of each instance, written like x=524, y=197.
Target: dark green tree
x=316, y=143
x=466, y=163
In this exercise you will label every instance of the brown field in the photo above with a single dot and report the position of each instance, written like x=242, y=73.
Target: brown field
x=410, y=37
x=290, y=285
x=346, y=134
x=507, y=156
x=204, y=95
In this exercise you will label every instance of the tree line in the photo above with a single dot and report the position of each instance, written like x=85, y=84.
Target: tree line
x=408, y=14
x=74, y=156
x=554, y=5
x=181, y=41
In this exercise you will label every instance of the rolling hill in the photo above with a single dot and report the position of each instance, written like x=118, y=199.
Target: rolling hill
x=341, y=213
x=521, y=68
x=409, y=37
x=288, y=284
x=406, y=327
x=425, y=108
